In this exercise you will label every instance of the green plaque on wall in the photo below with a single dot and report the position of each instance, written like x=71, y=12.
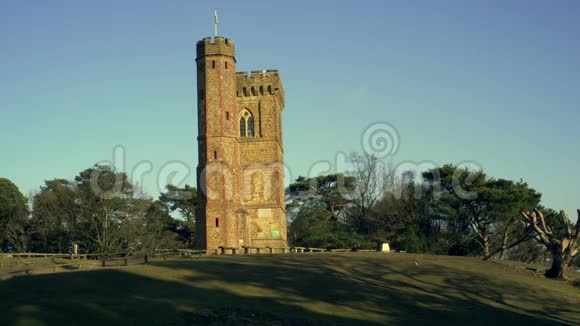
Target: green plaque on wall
x=275, y=234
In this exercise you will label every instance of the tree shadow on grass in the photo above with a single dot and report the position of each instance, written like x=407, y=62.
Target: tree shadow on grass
x=324, y=290
x=475, y=292
x=459, y=298
x=116, y=297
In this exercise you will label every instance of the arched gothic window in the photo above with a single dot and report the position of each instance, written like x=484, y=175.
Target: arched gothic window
x=246, y=124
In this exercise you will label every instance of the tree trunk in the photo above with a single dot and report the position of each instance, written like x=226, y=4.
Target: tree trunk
x=486, y=247
x=485, y=243
x=504, y=242
x=503, y=247
x=559, y=266
x=506, y=247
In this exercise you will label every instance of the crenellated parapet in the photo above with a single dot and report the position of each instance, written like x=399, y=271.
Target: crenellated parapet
x=216, y=46
x=260, y=83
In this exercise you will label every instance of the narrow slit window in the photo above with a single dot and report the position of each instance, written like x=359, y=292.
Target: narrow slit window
x=213, y=64
x=227, y=116
x=215, y=155
x=226, y=65
x=217, y=222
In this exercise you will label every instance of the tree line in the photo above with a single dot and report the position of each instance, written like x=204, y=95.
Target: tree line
x=100, y=211
x=445, y=210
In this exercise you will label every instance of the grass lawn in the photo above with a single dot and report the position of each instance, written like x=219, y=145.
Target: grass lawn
x=302, y=289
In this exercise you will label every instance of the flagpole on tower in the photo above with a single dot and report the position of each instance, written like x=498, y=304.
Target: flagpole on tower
x=216, y=22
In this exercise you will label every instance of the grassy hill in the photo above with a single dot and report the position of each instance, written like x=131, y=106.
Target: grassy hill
x=327, y=289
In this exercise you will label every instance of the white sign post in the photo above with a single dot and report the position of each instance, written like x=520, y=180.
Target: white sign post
x=385, y=248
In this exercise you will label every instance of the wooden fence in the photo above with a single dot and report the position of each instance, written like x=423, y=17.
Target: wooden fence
x=15, y=264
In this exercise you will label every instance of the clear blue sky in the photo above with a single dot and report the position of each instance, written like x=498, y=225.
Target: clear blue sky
x=494, y=82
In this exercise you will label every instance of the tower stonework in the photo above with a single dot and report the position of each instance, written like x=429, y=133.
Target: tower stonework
x=240, y=175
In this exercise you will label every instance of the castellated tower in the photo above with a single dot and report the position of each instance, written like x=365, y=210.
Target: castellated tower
x=240, y=175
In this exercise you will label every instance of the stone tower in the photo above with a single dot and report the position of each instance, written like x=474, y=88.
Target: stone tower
x=240, y=175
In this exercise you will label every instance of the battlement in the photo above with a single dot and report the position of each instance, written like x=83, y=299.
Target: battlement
x=216, y=46
x=260, y=83
x=257, y=74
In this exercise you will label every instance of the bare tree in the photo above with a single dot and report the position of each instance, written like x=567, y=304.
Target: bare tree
x=368, y=180
x=562, y=245
x=369, y=175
